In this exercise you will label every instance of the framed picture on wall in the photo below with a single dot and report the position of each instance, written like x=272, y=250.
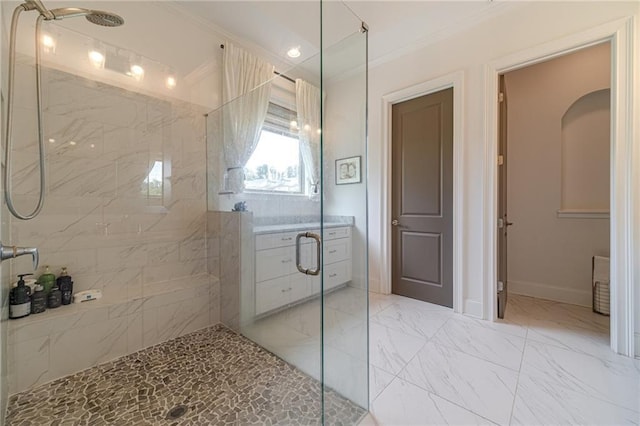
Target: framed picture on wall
x=348, y=170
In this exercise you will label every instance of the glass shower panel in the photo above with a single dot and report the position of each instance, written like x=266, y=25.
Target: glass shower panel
x=345, y=307
x=270, y=230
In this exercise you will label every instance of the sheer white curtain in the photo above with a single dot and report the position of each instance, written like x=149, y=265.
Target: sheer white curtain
x=309, y=112
x=246, y=89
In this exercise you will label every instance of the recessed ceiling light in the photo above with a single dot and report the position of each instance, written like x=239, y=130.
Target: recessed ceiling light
x=72, y=143
x=294, y=52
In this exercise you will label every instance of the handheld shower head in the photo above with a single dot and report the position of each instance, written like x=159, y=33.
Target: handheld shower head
x=98, y=17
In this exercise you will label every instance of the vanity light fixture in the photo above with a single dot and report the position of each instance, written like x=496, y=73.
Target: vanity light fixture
x=52, y=140
x=294, y=52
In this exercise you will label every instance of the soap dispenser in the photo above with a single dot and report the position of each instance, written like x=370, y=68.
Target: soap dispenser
x=47, y=280
x=38, y=300
x=65, y=284
x=20, y=299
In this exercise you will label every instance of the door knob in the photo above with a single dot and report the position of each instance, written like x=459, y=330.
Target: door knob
x=395, y=222
x=509, y=223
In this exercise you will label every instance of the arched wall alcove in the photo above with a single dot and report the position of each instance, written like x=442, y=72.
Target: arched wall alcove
x=585, y=153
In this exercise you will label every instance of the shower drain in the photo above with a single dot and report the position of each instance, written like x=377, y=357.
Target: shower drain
x=176, y=412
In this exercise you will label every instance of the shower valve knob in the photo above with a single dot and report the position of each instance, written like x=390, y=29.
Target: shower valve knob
x=11, y=252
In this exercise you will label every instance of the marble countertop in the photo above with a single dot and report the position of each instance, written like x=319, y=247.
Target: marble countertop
x=270, y=229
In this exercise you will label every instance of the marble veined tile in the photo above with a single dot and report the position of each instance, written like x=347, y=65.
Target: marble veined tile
x=616, y=381
x=539, y=402
x=478, y=385
x=378, y=381
x=580, y=339
x=378, y=302
x=474, y=339
x=414, y=321
x=391, y=349
x=403, y=403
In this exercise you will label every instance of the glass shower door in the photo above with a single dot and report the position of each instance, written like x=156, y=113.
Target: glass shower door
x=292, y=240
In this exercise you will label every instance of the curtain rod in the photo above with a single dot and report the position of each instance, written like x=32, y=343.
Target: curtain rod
x=279, y=74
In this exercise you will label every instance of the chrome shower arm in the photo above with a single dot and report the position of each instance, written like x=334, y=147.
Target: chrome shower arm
x=37, y=4
x=11, y=252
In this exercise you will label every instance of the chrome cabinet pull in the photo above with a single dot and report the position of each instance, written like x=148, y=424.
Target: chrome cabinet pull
x=302, y=269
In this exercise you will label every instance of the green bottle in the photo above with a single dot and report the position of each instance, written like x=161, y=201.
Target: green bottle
x=47, y=280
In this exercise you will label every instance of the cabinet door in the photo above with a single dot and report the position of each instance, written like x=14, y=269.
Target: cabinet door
x=275, y=263
x=273, y=294
x=336, y=274
x=300, y=287
x=337, y=250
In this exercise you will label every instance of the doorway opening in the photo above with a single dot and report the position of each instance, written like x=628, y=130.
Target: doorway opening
x=554, y=198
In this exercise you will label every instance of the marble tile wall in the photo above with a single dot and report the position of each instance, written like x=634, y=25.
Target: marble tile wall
x=230, y=238
x=143, y=244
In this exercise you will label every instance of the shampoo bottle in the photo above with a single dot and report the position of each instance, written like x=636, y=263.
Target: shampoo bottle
x=38, y=300
x=66, y=287
x=20, y=299
x=47, y=280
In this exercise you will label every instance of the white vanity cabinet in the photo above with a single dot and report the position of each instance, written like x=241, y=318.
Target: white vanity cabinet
x=278, y=281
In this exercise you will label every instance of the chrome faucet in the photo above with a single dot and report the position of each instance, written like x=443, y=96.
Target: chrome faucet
x=11, y=252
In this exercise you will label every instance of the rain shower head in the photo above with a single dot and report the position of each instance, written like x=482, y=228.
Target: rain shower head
x=98, y=17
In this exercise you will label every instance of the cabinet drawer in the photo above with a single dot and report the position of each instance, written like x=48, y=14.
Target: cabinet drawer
x=275, y=263
x=337, y=250
x=336, y=274
x=280, y=239
x=272, y=294
x=333, y=233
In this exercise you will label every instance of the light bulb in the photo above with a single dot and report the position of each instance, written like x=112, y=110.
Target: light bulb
x=137, y=72
x=294, y=124
x=48, y=43
x=171, y=82
x=307, y=127
x=97, y=59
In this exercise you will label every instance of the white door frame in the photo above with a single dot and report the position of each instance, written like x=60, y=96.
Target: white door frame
x=455, y=80
x=625, y=169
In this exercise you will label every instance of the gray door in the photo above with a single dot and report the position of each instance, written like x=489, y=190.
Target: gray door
x=422, y=198
x=503, y=223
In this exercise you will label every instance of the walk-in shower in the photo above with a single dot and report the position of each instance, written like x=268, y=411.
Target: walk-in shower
x=189, y=205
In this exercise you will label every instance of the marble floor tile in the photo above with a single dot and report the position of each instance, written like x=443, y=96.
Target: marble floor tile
x=378, y=381
x=390, y=349
x=588, y=340
x=378, y=302
x=539, y=402
x=403, y=403
x=414, y=321
x=616, y=380
x=482, y=342
x=480, y=386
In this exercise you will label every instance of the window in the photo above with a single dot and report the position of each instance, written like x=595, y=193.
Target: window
x=152, y=185
x=276, y=164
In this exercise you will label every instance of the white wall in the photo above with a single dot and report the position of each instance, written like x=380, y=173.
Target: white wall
x=550, y=256
x=523, y=27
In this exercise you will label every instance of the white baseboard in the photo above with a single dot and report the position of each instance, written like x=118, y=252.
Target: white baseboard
x=637, y=351
x=472, y=308
x=550, y=292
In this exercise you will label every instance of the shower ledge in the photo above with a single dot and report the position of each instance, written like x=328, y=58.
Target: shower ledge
x=154, y=295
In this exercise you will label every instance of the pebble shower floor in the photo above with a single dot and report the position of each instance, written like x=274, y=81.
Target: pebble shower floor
x=210, y=377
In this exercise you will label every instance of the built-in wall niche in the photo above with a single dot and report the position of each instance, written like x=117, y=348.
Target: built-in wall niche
x=585, y=157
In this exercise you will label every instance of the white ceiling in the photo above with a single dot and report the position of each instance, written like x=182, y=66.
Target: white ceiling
x=395, y=26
